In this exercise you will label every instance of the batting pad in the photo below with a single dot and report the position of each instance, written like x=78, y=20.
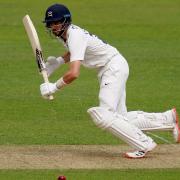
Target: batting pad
x=119, y=126
x=151, y=121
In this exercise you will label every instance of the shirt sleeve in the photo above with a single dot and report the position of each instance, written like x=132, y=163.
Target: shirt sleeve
x=77, y=43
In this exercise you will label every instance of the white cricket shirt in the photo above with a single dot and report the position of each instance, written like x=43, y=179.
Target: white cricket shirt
x=88, y=48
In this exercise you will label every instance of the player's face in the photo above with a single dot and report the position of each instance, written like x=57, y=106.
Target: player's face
x=56, y=28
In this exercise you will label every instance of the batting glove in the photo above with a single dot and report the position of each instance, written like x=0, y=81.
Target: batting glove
x=53, y=63
x=47, y=89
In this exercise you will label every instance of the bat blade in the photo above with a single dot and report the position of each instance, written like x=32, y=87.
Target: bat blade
x=36, y=47
x=32, y=34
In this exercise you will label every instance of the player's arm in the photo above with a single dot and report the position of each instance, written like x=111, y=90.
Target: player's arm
x=77, y=44
x=72, y=74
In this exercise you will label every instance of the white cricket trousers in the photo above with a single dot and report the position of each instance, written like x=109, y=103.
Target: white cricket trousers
x=112, y=96
x=112, y=79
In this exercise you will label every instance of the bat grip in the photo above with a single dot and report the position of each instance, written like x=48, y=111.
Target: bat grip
x=45, y=77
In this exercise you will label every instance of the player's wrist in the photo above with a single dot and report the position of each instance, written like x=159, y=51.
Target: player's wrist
x=60, y=83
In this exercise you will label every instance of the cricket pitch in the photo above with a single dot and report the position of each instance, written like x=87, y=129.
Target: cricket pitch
x=85, y=157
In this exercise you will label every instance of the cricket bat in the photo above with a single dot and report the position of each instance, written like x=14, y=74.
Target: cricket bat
x=36, y=47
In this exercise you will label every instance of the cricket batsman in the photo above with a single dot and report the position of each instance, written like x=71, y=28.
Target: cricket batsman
x=90, y=51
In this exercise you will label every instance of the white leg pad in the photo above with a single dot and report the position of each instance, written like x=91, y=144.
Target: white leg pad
x=119, y=126
x=151, y=121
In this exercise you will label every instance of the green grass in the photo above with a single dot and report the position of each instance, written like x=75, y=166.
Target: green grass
x=145, y=31
x=168, y=174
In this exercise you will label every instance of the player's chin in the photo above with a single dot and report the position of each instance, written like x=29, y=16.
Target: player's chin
x=56, y=33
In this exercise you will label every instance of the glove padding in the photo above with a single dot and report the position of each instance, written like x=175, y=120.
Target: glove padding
x=53, y=63
x=47, y=89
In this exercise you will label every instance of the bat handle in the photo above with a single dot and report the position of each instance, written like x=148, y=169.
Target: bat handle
x=46, y=80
